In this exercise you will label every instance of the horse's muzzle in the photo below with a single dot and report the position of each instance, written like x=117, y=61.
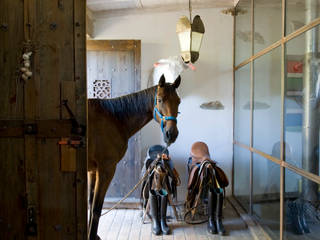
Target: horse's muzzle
x=170, y=134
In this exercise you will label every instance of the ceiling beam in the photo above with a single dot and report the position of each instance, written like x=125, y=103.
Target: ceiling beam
x=163, y=8
x=125, y=5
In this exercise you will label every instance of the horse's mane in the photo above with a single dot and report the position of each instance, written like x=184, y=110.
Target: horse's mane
x=125, y=106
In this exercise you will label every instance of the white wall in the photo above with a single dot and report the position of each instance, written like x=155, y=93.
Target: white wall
x=211, y=81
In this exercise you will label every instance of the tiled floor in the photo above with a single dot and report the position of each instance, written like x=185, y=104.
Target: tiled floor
x=127, y=224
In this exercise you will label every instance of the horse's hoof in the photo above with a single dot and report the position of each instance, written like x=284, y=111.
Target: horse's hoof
x=98, y=238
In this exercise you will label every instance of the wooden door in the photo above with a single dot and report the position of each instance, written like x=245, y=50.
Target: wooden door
x=43, y=184
x=115, y=65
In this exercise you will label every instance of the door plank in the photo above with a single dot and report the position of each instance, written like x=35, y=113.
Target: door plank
x=12, y=161
x=11, y=90
x=57, y=194
x=79, y=36
x=12, y=191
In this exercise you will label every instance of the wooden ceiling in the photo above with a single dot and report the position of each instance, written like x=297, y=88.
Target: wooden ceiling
x=116, y=5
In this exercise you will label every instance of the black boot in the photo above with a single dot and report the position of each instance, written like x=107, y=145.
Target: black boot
x=220, y=227
x=295, y=219
x=155, y=225
x=212, y=203
x=302, y=217
x=163, y=214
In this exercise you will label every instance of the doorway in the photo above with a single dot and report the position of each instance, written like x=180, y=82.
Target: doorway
x=113, y=70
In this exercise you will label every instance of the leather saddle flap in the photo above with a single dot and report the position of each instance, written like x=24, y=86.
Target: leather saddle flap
x=221, y=177
x=192, y=179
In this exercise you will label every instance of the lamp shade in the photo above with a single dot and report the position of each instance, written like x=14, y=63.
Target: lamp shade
x=190, y=38
x=197, y=31
x=184, y=34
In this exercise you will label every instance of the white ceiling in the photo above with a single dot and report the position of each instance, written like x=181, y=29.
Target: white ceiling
x=116, y=5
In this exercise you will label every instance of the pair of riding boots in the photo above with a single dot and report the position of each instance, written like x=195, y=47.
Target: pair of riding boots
x=158, y=212
x=215, y=205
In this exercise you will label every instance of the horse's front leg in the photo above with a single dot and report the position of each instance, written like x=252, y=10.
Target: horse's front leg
x=102, y=182
x=91, y=185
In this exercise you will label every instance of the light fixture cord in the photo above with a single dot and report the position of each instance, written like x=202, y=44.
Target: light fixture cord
x=190, y=11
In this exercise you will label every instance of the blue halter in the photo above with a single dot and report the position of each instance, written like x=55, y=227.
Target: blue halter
x=163, y=118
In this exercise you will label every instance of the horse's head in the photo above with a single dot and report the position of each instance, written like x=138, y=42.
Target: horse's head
x=166, y=108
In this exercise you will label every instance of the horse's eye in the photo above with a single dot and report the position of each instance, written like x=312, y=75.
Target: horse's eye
x=159, y=100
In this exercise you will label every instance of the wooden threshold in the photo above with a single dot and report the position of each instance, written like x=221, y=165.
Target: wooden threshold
x=129, y=203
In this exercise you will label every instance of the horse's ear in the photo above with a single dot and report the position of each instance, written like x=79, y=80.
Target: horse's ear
x=162, y=81
x=177, y=82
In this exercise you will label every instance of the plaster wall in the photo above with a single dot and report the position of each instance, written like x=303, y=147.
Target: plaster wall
x=211, y=81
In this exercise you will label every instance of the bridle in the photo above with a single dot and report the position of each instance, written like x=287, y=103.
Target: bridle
x=162, y=117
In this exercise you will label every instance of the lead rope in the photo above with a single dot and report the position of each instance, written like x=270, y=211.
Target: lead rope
x=136, y=186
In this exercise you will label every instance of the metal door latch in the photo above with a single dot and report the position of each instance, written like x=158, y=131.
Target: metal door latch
x=77, y=129
x=73, y=142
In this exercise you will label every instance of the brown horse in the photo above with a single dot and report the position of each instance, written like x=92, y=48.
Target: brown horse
x=112, y=123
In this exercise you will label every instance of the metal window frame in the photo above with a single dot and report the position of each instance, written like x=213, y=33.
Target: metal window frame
x=281, y=162
x=251, y=110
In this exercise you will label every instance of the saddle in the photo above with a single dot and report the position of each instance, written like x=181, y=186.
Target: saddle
x=153, y=153
x=160, y=174
x=199, y=154
x=202, y=170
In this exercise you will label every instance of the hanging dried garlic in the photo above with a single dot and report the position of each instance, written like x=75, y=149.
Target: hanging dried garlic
x=26, y=73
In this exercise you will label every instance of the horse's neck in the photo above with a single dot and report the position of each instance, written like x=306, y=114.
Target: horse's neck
x=138, y=119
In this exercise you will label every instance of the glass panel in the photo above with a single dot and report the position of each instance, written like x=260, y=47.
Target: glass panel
x=242, y=175
x=267, y=30
x=302, y=95
x=243, y=31
x=266, y=194
x=267, y=103
x=302, y=212
x=300, y=13
x=242, y=105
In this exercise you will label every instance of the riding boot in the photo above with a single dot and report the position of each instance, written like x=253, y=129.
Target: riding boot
x=295, y=219
x=220, y=226
x=155, y=226
x=163, y=214
x=302, y=217
x=212, y=203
